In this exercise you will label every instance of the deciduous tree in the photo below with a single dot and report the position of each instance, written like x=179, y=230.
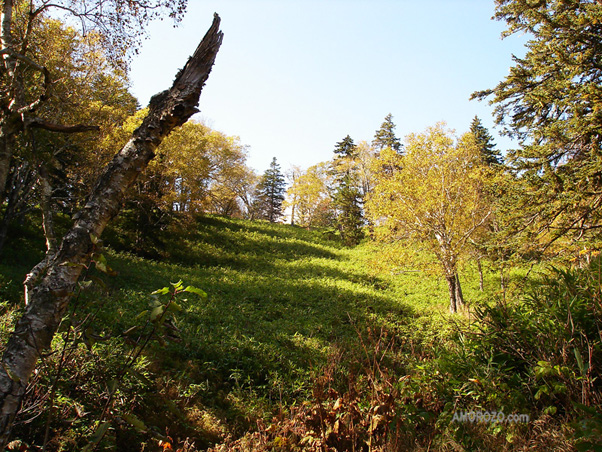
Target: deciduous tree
x=26, y=81
x=310, y=193
x=87, y=89
x=435, y=198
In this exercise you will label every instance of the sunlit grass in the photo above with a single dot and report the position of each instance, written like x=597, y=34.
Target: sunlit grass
x=282, y=301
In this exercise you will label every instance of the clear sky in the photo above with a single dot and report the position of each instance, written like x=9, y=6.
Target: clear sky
x=293, y=77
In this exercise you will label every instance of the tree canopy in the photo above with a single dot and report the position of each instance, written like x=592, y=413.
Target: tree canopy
x=433, y=197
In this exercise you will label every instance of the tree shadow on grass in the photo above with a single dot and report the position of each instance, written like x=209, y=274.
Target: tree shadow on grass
x=267, y=331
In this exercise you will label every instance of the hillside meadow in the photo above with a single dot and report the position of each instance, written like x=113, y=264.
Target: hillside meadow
x=299, y=344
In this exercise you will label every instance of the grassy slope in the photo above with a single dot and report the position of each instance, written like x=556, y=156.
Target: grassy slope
x=283, y=301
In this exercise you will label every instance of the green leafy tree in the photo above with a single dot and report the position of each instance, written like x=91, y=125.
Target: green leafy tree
x=347, y=197
x=309, y=193
x=55, y=170
x=551, y=101
x=51, y=285
x=385, y=136
x=26, y=79
x=490, y=155
x=435, y=198
x=270, y=193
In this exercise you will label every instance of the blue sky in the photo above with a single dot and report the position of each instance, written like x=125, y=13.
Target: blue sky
x=293, y=77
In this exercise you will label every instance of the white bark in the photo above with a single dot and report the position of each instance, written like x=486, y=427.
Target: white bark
x=50, y=288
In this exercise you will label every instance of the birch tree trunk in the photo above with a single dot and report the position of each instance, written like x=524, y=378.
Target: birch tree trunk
x=453, y=302
x=459, y=293
x=50, y=284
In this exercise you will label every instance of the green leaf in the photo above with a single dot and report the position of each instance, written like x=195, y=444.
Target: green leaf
x=173, y=306
x=134, y=422
x=84, y=284
x=551, y=410
x=542, y=390
x=177, y=286
x=140, y=376
x=196, y=290
x=579, y=359
x=163, y=291
x=156, y=313
x=100, y=266
x=141, y=315
x=155, y=301
x=132, y=329
x=97, y=436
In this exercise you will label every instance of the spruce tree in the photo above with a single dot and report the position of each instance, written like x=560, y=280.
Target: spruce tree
x=270, y=193
x=347, y=197
x=489, y=154
x=385, y=136
x=345, y=148
x=550, y=101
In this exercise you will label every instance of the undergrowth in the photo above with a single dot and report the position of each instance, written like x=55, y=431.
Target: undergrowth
x=302, y=344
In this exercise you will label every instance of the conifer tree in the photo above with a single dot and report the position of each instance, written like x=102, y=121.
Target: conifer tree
x=385, y=136
x=347, y=197
x=489, y=154
x=270, y=193
x=550, y=101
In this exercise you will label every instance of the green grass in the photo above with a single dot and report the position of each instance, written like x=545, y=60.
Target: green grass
x=283, y=304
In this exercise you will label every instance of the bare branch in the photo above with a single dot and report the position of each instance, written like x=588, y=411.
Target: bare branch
x=37, y=123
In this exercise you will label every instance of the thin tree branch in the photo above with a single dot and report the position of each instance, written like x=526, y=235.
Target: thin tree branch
x=38, y=123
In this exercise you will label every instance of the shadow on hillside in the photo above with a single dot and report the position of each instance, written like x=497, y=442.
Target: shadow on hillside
x=215, y=241
x=281, y=304
x=273, y=321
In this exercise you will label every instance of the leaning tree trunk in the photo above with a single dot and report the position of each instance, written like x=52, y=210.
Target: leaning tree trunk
x=50, y=284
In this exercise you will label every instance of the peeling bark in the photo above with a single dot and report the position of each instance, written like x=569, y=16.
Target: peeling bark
x=51, y=283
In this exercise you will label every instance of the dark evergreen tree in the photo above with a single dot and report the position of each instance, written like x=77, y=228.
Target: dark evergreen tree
x=551, y=102
x=270, y=193
x=347, y=197
x=385, y=136
x=345, y=148
x=490, y=155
